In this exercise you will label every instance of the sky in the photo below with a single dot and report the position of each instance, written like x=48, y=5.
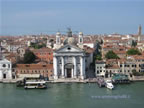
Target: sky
x=24, y=17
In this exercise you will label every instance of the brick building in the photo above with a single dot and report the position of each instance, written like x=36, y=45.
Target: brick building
x=44, y=54
x=45, y=70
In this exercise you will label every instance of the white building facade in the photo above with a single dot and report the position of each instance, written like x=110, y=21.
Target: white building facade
x=5, y=70
x=100, y=68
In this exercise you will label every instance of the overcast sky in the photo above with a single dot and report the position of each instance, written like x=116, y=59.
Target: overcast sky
x=19, y=17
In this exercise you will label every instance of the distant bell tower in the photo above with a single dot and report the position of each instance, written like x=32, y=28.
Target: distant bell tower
x=140, y=30
x=80, y=40
x=58, y=38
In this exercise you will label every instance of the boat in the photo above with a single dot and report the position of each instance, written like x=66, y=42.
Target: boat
x=20, y=82
x=109, y=84
x=41, y=84
x=100, y=82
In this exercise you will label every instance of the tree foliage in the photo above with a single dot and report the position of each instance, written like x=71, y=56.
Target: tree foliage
x=29, y=57
x=133, y=52
x=37, y=46
x=111, y=55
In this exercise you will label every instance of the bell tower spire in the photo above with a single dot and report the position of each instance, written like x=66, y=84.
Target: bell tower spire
x=140, y=30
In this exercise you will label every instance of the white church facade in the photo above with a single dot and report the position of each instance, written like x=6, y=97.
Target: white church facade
x=69, y=58
x=69, y=62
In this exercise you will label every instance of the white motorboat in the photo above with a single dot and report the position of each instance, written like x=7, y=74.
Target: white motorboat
x=109, y=84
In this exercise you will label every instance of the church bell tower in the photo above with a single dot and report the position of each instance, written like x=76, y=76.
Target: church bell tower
x=140, y=30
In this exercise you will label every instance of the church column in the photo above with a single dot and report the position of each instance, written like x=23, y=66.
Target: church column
x=75, y=67
x=62, y=67
x=82, y=72
x=55, y=68
x=72, y=73
x=10, y=71
x=65, y=73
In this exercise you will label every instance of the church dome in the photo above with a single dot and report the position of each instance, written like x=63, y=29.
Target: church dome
x=70, y=40
x=58, y=33
x=80, y=33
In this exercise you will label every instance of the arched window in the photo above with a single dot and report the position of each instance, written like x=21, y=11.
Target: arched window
x=4, y=65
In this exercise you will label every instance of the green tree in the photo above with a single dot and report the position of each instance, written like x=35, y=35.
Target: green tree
x=133, y=51
x=111, y=55
x=38, y=46
x=29, y=57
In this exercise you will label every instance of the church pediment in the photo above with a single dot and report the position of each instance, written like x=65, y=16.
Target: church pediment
x=69, y=48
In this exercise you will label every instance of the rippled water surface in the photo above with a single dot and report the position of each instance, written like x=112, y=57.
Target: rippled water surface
x=73, y=95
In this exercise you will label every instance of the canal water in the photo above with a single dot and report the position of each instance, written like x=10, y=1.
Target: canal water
x=73, y=95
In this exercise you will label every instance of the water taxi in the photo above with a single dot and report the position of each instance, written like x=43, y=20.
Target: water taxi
x=35, y=85
x=109, y=84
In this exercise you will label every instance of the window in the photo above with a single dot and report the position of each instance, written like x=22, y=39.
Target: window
x=69, y=48
x=4, y=75
x=27, y=65
x=4, y=65
x=80, y=40
x=44, y=65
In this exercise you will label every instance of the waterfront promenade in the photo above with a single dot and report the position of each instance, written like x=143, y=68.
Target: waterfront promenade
x=88, y=80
